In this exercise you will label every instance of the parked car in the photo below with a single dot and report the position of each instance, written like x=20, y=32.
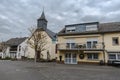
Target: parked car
x=114, y=62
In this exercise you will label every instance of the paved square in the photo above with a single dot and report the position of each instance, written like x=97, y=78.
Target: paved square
x=19, y=70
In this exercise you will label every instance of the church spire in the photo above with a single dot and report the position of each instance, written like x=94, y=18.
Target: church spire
x=42, y=17
x=42, y=21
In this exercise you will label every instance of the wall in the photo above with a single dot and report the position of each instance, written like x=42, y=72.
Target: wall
x=79, y=39
x=82, y=38
x=50, y=46
x=62, y=53
x=23, y=49
x=108, y=42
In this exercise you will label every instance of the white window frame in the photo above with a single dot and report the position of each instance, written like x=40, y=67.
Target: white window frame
x=91, y=27
x=70, y=60
x=116, y=55
x=91, y=40
x=93, y=56
x=70, y=29
x=70, y=41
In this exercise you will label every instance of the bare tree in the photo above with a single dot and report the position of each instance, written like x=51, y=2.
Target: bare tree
x=38, y=41
x=3, y=47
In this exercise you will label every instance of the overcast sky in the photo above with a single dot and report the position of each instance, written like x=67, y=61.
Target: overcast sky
x=16, y=16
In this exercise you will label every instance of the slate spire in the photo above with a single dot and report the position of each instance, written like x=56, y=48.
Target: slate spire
x=42, y=21
x=43, y=16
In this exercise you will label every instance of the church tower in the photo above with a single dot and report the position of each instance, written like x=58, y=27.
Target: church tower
x=42, y=22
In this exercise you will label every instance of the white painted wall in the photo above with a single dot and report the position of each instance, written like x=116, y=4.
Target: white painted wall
x=50, y=46
x=22, y=50
x=6, y=53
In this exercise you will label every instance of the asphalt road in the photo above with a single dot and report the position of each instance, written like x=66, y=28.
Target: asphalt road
x=19, y=70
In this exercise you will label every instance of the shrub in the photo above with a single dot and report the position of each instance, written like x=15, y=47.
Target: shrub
x=7, y=58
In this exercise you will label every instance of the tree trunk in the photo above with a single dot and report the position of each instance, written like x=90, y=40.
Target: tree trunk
x=35, y=56
x=35, y=53
x=38, y=55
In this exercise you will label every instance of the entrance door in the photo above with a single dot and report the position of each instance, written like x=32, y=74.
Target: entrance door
x=70, y=58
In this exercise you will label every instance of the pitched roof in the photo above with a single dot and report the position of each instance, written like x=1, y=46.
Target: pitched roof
x=15, y=41
x=108, y=27
x=51, y=34
x=102, y=28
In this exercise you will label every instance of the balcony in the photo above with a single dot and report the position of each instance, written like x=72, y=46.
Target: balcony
x=80, y=46
x=13, y=49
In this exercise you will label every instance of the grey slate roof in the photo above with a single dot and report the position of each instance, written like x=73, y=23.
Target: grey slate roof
x=42, y=17
x=15, y=41
x=51, y=34
x=103, y=28
x=108, y=27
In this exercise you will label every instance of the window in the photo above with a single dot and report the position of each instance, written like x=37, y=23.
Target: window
x=115, y=41
x=91, y=27
x=95, y=56
x=70, y=29
x=118, y=56
x=92, y=43
x=70, y=45
x=92, y=56
x=89, y=56
x=114, y=56
x=89, y=43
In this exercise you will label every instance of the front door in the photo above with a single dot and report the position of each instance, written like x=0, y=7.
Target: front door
x=70, y=58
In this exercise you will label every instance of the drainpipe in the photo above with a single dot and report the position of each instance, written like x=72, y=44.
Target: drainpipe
x=103, y=43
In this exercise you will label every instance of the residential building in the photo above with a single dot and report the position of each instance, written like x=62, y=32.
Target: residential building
x=16, y=48
x=50, y=39
x=89, y=43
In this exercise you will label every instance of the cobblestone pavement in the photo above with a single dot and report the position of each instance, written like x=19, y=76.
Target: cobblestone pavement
x=19, y=70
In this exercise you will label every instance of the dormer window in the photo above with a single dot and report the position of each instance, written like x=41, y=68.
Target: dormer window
x=70, y=29
x=91, y=27
x=82, y=27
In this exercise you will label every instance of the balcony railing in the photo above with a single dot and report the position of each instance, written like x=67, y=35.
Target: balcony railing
x=80, y=46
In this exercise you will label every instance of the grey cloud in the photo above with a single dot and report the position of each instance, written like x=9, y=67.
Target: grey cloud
x=16, y=16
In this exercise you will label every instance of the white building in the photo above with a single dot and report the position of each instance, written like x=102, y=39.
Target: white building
x=16, y=48
x=51, y=40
